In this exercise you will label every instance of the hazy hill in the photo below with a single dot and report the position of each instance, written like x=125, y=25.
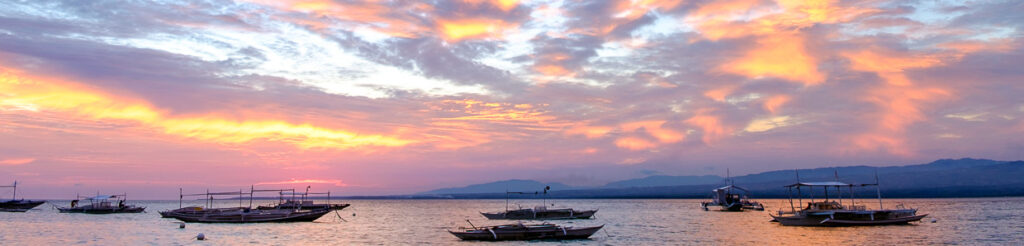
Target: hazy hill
x=500, y=187
x=942, y=178
x=654, y=181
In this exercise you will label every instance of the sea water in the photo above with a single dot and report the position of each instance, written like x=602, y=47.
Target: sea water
x=969, y=221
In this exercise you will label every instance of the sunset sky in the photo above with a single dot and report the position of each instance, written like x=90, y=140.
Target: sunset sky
x=394, y=97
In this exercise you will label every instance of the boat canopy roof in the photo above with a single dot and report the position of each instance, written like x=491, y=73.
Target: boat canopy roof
x=826, y=183
x=101, y=197
x=729, y=187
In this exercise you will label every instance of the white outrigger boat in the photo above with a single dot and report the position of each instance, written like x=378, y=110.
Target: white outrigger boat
x=728, y=200
x=834, y=213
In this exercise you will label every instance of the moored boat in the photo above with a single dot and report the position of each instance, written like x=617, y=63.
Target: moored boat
x=244, y=214
x=539, y=212
x=521, y=231
x=726, y=199
x=16, y=205
x=101, y=204
x=834, y=213
x=303, y=201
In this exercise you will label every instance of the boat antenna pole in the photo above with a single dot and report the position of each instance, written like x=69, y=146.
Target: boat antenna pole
x=839, y=191
x=799, y=196
x=252, y=189
x=506, y=200
x=180, y=196
x=878, y=190
x=15, y=196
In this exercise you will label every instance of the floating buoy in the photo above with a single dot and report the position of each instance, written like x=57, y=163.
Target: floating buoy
x=353, y=214
x=200, y=237
x=934, y=220
x=181, y=225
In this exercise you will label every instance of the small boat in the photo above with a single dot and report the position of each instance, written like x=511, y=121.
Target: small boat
x=100, y=204
x=302, y=201
x=520, y=231
x=16, y=205
x=245, y=214
x=290, y=204
x=538, y=212
x=728, y=200
x=834, y=213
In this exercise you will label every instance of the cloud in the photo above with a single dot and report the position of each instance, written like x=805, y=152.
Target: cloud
x=16, y=162
x=334, y=182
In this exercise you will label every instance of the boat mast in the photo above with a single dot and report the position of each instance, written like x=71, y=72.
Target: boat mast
x=839, y=191
x=799, y=196
x=180, y=196
x=252, y=189
x=878, y=190
x=15, y=195
x=789, y=192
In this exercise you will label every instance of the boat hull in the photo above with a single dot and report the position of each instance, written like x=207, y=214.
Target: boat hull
x=251, y=216
x=554, y=233
x=527, y=214
x=83, y=210
x=19, y=205
x=848, y=219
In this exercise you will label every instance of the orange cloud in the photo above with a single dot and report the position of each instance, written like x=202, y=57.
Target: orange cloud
x=478, y=28
x=79, y=101
x=333, y=182
x=654, y=129
x=712, y=127
x=781, y=56
x=16, y=162
x=899, y=99
x=772, y=104
x=504, y=5
x=633, y=143
x=588, y=131
x=720, y=93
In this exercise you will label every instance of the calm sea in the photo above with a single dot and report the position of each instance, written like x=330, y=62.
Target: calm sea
x=983, y=221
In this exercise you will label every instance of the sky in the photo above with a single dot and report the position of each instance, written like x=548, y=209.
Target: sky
x=395, y=97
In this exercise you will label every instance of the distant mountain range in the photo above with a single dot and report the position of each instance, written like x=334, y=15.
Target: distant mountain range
x=942, y=178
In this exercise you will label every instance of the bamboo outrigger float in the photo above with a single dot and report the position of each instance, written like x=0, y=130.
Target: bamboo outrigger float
x=15, y=205
x=835, y=213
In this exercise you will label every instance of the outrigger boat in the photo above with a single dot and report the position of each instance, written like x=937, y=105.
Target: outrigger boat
x=539, y=212
x=243, y=214
x=100, y=204
x=520, y=231
x=727, y=200
x=15, y=205
x=835, y=213
x=301, y=201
